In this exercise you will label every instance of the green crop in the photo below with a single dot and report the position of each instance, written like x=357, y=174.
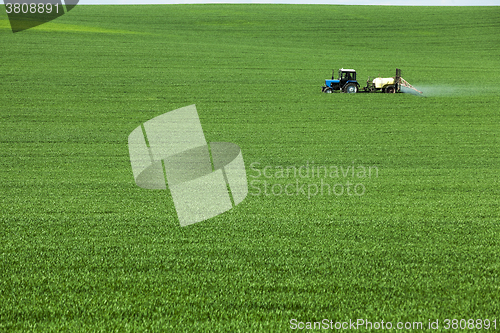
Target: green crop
x=82, y=248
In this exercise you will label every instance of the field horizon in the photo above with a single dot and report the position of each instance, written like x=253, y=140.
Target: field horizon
x=84, y=249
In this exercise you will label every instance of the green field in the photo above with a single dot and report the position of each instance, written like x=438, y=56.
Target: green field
x=82, y=248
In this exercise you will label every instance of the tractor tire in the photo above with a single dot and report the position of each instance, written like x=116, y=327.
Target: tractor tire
x=390, y=89
x=328, y=90
x=351, y=88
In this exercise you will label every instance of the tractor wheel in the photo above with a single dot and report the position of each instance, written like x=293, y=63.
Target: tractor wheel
x=328, y=90
x=390, y=90
x=351, y=88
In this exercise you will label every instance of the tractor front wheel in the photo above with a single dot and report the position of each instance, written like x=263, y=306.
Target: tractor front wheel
x=328, y=90
x=351, y=88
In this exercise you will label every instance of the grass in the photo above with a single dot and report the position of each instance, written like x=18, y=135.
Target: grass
x=82, y=248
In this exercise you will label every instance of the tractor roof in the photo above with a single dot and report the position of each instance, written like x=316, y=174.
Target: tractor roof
x=347, y=70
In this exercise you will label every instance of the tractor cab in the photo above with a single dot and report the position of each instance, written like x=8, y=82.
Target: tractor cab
x=346, y=82
x=347, y=75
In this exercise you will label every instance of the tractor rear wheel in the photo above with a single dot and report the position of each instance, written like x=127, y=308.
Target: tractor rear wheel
x=351, y=88
x=390, y=90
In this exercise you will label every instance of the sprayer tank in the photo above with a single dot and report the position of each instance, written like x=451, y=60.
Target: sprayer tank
x=381, y=82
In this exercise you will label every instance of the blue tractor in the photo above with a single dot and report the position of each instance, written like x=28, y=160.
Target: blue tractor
x=346, y=82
